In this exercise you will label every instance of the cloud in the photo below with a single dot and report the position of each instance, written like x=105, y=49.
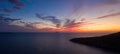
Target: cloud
x=15, y=28
x=73, y=22
x=1, y=15
x=113, y=14
x=17, y=5
x=8, y=24
x=111, y=2
x=52, y=19
x=66, y=22
x=16, y=8
x=17, y=2
x=12, y=20
x=47, y=30
x=7, y=20
x=106, y=2
x=7, y=10
x=30, y=25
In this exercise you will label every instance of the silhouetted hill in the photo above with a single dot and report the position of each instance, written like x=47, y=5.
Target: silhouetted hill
x=108, y=42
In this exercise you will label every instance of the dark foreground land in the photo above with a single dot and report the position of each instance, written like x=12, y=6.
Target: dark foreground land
x=108, y=42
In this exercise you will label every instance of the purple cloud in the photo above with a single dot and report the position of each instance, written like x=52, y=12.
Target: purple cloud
x=16, y=8
x=113, y=14
x=7, y=10
x=16, y=2
x=69, y=22
x=58, y=22
x=17, y=5
x=111, y=1
x=7, y=25
x=52, y=19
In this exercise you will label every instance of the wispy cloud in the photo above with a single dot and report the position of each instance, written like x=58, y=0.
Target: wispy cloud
x=30, y=25
x=52, y=19
x=109, y=15
x=69, y=22
x=6, y=19
x=16, y=8
x=106, y=2
x=112, y=2
x=8, y=24
x=7, y=10
x=65, y=23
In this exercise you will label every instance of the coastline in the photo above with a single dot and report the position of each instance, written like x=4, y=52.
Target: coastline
x=109, y=42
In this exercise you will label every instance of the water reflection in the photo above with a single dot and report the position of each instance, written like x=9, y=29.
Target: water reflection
x=45, y=43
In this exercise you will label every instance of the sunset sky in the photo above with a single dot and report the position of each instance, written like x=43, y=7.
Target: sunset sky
x=59, y=15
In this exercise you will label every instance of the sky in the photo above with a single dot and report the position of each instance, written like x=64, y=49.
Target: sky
x=59, y=15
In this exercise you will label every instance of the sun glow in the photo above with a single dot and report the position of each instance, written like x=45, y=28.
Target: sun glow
x=110, y=24
x=100, y=28
x=85, y=28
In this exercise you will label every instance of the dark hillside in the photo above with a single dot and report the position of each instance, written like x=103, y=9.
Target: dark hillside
x=107, y=42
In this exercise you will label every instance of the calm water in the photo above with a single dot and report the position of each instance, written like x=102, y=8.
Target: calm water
x=44, y=43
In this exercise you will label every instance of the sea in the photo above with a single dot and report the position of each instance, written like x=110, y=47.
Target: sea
x=46, y=43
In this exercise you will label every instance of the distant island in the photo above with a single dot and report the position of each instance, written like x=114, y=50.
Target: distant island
x=109, y=42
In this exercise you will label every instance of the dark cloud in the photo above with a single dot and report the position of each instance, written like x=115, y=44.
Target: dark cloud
x=69, y=22
x=4, y=15
x=17, y=5
x=7, y=20
x=29, y=24
x=16, y=8
x=83, y=19
x=7, y=10
x=72, y=23
x=113, y=14
x=15, y=28
x=52, y=19
x=7, y=25
x=17, y=2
